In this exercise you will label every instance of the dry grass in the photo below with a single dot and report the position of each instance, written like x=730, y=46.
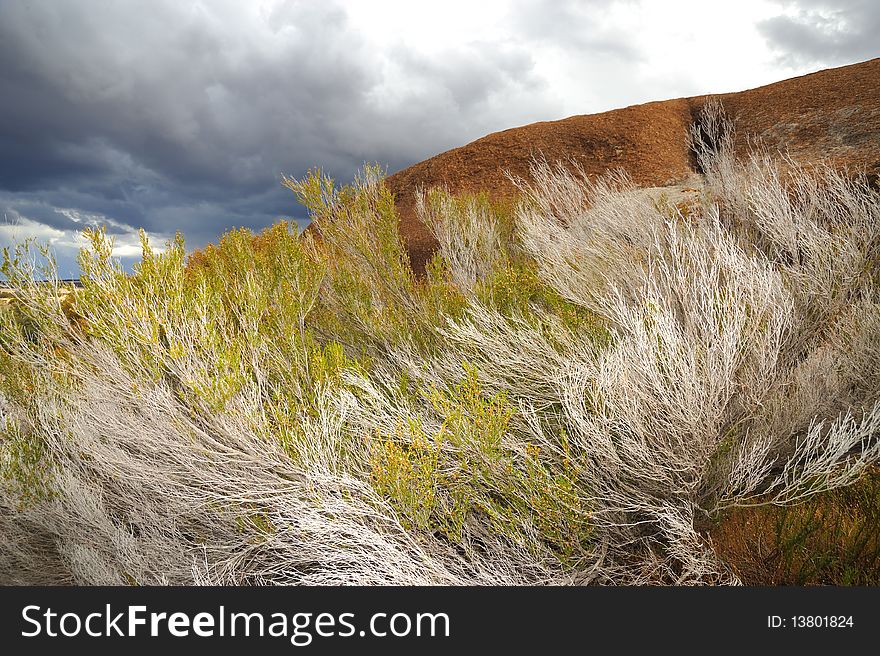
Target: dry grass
x=832, y=539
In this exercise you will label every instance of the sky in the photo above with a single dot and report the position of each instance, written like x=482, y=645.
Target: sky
x=174, y=115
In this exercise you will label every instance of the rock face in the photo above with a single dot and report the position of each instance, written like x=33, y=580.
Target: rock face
x=832, y=115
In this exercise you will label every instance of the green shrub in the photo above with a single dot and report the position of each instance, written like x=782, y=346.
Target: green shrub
x=464, y=472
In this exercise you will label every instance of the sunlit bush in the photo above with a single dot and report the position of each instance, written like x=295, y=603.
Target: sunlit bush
x=587, y=385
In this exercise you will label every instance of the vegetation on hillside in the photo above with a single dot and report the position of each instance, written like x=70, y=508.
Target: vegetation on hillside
x=587, y=386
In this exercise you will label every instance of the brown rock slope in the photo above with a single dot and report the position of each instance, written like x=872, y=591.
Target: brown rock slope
x=831, y=115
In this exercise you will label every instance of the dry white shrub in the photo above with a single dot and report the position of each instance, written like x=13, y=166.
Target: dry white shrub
x=468, y=236
x=743, y=367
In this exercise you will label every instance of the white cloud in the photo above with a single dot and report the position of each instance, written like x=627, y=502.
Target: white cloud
x=17, y=228
x=66, y=244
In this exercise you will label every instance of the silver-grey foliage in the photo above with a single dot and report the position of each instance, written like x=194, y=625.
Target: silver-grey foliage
x=743, y=368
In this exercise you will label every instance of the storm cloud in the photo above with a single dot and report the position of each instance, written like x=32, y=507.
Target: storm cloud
x=183, y=115
x=171, y=115
x=825, y=33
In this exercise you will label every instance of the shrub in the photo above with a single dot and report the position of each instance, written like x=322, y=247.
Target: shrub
x=586, y=386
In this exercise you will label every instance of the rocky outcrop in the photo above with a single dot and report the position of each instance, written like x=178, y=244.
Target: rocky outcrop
x=832, y=115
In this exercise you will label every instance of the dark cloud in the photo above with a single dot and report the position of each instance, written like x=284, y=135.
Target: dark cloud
x=819, y=32
x=182, y=115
